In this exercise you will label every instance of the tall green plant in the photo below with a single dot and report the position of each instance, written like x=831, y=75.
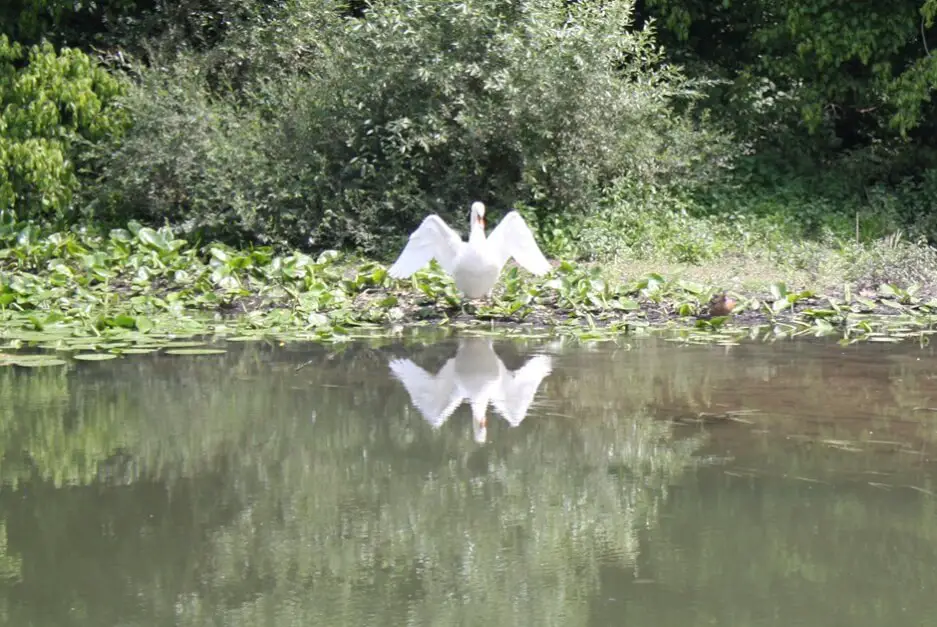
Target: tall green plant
x=51, y=105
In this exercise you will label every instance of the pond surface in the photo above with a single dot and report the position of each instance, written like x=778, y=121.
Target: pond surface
x=643, y=483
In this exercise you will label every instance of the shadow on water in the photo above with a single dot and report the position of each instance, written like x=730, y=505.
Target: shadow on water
x=643, y=482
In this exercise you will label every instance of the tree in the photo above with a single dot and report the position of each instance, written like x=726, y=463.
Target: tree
x=849, y=74
x=347, y=130
x=51, y=105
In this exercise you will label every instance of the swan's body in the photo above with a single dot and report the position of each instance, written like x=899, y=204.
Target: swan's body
x=475, y=374
x=476, y=264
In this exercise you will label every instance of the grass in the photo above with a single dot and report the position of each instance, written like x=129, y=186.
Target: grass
x=745, y=236
x=735, y=274
x=817, y=268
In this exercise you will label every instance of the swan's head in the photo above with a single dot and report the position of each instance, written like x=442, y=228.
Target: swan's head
x=478, y=214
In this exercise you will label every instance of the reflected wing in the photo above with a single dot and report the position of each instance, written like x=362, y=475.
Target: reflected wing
x=518, y=388
x=435, y=397
x=434, y=239
x=513, y=238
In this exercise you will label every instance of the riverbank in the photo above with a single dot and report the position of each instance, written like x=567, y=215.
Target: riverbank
x=91, y=291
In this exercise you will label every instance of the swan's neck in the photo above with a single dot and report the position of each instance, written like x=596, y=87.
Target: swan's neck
x=477, y=234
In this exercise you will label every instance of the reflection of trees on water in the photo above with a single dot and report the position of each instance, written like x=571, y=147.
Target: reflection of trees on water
x=52, y=429
x=798, y=387
x=266, y=490
x=771, y=550
x=276, y=484
x=123, y=416
x=512, y=534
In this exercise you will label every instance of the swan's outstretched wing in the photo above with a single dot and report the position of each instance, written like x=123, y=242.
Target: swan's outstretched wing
x=435, y=397
x=513, y=238
x=434, y=239
x=518, y=388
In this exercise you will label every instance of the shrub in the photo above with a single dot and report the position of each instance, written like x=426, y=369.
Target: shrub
x=194, y=161
x=409, y=108
x=52, y=105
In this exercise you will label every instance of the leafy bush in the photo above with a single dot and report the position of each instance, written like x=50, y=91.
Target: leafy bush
x=51, y=106
x=190, y=160
x=639, y=221
x=409, y=108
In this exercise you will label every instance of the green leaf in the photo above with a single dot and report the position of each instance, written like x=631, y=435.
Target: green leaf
x=196, y=351
x=153, y=239
x=31, y=361
x=94, y=356
x=143, y=324
x=124, y=321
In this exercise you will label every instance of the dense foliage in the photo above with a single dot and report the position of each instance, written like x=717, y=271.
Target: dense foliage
x=333, y=123
x=409, y=109
x=857, y=70
x=830, y=94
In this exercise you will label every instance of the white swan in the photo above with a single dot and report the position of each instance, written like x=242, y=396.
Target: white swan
x=475, y=265
x=475, y=374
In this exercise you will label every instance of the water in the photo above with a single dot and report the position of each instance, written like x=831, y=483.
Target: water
x=647, y=484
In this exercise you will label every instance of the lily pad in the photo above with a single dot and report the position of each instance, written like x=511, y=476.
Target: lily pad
x=81, y=347
x=183, y=344
x=36, y=336
x=135, y=351
x=31, y=361
x=55, y=347
x=110, y=345
x=196, y=351
x=94, y=356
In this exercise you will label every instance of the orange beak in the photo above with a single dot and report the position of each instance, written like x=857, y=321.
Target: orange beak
x=481, y=221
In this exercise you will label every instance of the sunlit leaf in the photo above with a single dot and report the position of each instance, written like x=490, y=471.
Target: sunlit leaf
x=94, y=356
x=195, y=351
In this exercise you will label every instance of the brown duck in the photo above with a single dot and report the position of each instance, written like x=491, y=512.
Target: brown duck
x=721, y=305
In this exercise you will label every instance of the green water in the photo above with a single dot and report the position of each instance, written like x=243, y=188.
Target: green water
x=647, y=483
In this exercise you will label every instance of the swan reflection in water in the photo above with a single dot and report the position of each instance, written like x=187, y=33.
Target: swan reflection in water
x=478, y=375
